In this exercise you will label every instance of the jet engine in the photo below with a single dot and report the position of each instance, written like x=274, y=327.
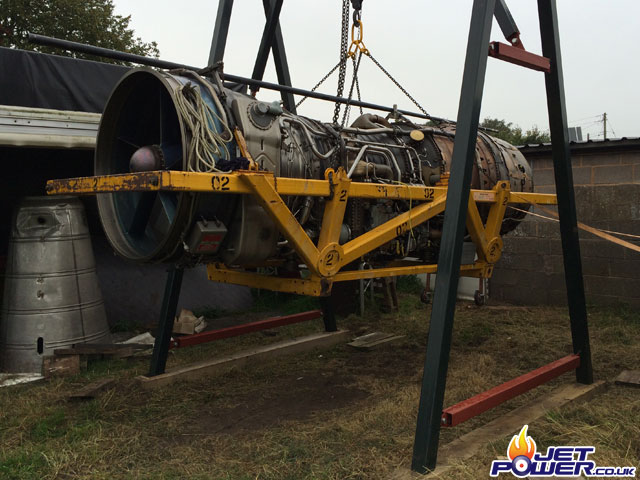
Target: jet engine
x=179, y=121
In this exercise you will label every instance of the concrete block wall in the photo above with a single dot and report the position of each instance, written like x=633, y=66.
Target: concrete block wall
x=601, y=164
x=531, y=269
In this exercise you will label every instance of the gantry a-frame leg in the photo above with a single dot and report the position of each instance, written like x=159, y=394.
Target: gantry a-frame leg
x=439, y=343
x=556, y=106
x=272, y=40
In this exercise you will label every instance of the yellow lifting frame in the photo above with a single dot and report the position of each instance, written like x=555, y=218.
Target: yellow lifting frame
x=326, y=259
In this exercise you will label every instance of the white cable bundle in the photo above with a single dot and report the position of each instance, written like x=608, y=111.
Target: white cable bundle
x=206, y=144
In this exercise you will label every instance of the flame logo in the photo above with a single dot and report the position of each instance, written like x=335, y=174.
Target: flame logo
x=521, y=445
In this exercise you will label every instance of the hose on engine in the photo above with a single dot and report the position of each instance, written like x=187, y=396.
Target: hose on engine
x=207, y=146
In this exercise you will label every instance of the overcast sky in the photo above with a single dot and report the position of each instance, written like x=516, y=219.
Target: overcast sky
x=422, y=43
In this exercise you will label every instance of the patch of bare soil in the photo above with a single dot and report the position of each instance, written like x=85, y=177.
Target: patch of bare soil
x=291, y=398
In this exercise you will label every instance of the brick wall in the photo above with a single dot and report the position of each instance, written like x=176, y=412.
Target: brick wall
x=607, y=178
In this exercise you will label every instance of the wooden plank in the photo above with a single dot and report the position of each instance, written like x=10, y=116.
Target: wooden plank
x=454, y=453
x=630, y=378
x=372, y=340
x=91, y=391
x=53, y=366
x=10, y=379
x=222, y=365
x=101, y=349
x=93, y=351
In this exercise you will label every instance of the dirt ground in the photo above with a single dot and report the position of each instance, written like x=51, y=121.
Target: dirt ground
x=339, y=413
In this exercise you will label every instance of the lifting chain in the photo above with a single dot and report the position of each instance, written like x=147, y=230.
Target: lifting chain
x=344, y=39
x=354, y=82
x=356, y=48
x=357, y=87
x=402, y=89
x=317, y=85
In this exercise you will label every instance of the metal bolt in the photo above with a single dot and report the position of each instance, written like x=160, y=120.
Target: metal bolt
x=262, y=108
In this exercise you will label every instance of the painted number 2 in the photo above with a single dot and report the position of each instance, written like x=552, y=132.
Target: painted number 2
x=429, y=193
x=331, y=257
x=220, y=183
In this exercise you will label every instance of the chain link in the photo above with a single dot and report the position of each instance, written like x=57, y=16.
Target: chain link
x=353, y=82
x=397, y=84
x=320, y=83
x=357, y=86
x=344, y=39
x=342, y=65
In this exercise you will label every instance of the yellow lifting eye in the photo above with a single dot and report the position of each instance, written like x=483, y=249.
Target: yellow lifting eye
x=357, y=44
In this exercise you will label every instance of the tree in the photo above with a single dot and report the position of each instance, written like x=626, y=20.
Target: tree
x=85, y=21
x=513, y=134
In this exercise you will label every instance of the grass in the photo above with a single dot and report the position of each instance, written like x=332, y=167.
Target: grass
x=335, y=414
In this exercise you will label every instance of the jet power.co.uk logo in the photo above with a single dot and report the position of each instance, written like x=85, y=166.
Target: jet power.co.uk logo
x=564, y=461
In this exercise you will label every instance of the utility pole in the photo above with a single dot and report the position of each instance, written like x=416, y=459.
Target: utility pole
x=604, y=121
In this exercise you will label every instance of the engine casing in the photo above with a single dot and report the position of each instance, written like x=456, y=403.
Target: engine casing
x=144, y=127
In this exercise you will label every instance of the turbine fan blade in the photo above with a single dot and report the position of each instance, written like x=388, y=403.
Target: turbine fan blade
x=142, y=213
x=128, y=142
x=169, y=204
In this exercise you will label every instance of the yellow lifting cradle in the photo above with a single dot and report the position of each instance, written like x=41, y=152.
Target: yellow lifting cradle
x=325, y=260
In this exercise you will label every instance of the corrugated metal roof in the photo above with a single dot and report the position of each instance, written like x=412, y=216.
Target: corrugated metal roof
x=584, y=142
x=38, y=127
x=609, y=143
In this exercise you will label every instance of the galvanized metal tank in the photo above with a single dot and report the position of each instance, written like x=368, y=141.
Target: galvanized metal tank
x=52, y=298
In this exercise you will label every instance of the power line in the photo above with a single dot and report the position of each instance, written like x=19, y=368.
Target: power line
x=611, y=126
x=585, y=118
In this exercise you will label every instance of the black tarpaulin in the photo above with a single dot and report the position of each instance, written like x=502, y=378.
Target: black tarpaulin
x=30, y=79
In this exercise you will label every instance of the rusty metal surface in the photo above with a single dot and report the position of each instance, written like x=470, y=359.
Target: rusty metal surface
x=143, y=181
x=519, y=56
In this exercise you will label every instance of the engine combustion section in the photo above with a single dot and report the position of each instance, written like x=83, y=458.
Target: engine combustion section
x=179, y=121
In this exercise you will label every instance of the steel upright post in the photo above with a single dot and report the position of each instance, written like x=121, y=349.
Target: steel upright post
x=220, y=31
x=328, y=314
x=556, y=105
x=280, y=59
x=425, y=448
x=268, y=35
x=505, y=20
x=165, y=325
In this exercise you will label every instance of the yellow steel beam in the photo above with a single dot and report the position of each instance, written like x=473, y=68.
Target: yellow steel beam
x=232, y=183
x=275, y=207
x=314, y=287
x=498, y=209
x=540, y=198
x=465, y=270
x=143, y=181
x=391, y=229
x=334, y=208
x=184, y=181
x=476, y=229
x=487, y=237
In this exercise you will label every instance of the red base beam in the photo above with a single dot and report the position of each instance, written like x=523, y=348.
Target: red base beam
x=473, y=406
x=519, y=56
x=234, y=331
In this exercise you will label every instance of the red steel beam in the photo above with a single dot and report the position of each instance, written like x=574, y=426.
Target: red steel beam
x=482, y=402
x=236, y=330
x=518, y=56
